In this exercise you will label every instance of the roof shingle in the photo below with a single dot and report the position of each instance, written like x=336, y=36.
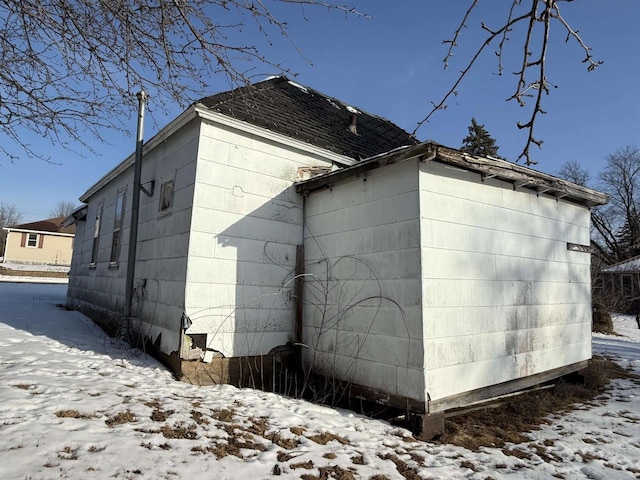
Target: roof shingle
x=300, y=112
x=53, y=225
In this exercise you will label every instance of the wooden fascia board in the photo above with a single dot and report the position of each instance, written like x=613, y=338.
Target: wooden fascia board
x=76, y=216
x=519, y=175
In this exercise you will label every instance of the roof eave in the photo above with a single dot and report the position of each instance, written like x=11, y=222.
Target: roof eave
x=219, y=118
x=175, y=125
x=517, y=175
x=40, y=232
x=76, y=216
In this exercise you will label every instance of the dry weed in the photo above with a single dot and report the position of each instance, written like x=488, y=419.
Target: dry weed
x=308, y=465
x=68, y=453
x=223, y=415
x=285, y=456
x=516, y=452
x=180, y=430
x=326, y=437
x=23, y=386
x=330, y=472
x=120, y=418
x=71, y=414
x=159, y=415
x=469, y=465
x=511, y=420
x=405, y=470
x=199, y=417
x=277, y=439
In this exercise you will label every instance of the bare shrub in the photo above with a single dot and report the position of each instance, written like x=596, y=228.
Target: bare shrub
x=602, y=322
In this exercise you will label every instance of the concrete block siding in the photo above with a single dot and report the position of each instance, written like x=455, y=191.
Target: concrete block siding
x=502, y=295
x=162, y=243
x=424, y=281
x=246, y=224
x=362, y=293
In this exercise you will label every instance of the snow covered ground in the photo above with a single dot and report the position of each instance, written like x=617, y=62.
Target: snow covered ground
x=76, y=404
x=32, y=268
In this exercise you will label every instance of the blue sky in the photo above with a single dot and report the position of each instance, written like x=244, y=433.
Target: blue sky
x=391, y=65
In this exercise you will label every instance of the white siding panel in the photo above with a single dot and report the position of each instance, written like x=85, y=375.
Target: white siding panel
x=162, y=247
x=247, y=222
x=362, y=314
x=502, y=295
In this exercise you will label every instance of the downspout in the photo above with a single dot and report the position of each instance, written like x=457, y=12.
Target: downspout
x=135, y=205
x=299, y=290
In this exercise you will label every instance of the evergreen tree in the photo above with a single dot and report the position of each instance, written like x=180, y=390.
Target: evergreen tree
x=479, y=142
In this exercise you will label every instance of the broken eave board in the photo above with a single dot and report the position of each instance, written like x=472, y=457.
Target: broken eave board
x=487, y=168
x=422, y=151
x=522, y=177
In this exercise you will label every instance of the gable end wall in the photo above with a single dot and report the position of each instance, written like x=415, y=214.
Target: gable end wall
x=247, y=224
x=503, y=298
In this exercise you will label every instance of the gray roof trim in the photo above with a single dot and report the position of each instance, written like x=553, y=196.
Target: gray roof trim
x=79, y=214
x=517, y=175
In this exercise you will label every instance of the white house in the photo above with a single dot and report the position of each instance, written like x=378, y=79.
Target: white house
x=440, y=279
x=218, y=237
x=430, y=278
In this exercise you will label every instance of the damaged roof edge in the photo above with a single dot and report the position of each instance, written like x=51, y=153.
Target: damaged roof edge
x=76, y=216
x=517, y=175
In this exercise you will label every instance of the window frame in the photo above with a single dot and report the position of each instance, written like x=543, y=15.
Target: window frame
x=167, y=183
x=118, y=222
x=36, y=238
x=95, y=245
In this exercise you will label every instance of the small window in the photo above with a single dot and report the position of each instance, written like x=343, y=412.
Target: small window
x=32, y=240
x=96, y=235
x=118, y=221
x=166, y=194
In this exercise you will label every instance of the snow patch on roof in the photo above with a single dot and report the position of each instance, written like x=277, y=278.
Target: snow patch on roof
x=352, y=110
x=301, y=87
x=334, y=104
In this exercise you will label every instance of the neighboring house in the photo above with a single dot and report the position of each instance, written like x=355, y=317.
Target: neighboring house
x=45, y=242
x=619, y=284
x=430, y=278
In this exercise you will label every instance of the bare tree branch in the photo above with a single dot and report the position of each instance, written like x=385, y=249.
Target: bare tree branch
x=539, y=16
x=454, y=42
x=71, y=67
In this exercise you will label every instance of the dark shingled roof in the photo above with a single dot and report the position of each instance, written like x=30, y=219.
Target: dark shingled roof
x=53, y=225
x=299, y=112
